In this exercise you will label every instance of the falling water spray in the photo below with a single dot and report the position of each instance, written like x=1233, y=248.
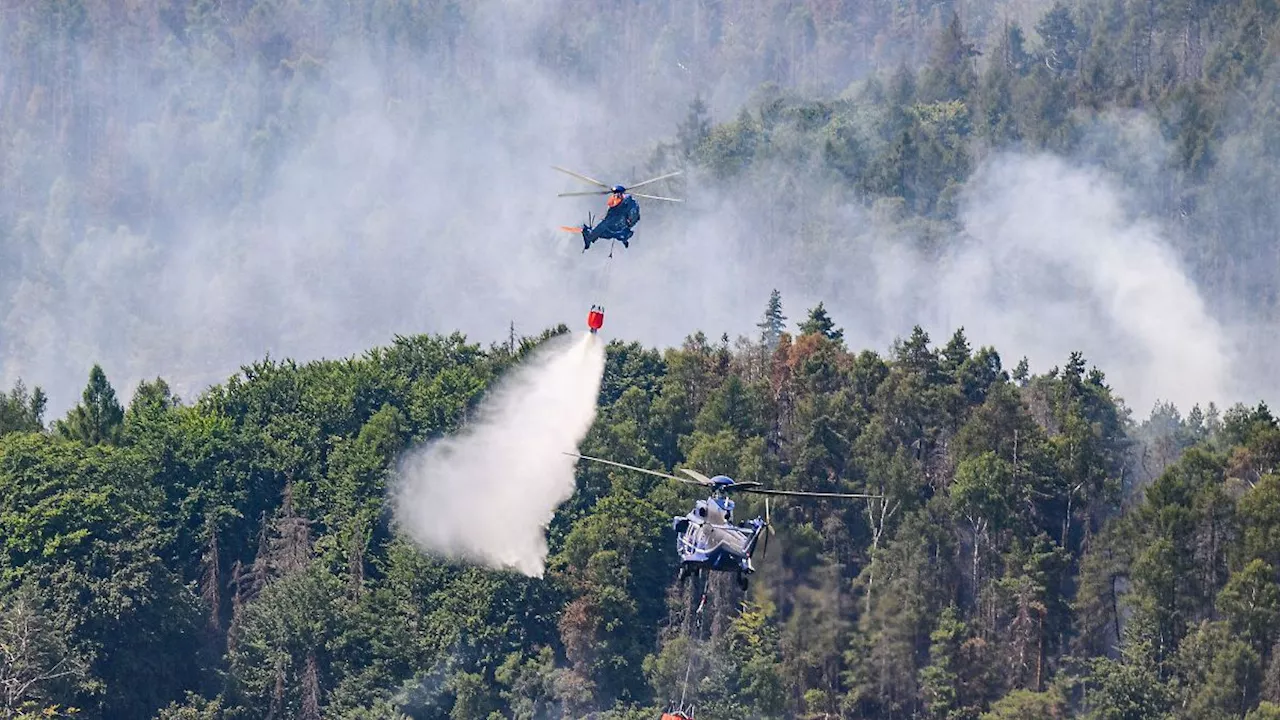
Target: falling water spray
x=487, y=493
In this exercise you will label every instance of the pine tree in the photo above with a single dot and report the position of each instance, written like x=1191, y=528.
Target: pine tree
x=1022, y=373
x=774, y=323
x=995, y=98
x=1061, y=39
x=99, y=418
x=695, y=128
x=955, y=352
x=21, y=411
x=914, y=354
x=820, y=323
x=950, y=74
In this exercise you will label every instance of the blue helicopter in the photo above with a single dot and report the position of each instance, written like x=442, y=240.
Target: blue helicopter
x=707, y=538
x=623, y=213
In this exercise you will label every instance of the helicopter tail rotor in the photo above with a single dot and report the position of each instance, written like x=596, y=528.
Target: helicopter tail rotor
x=767, y=530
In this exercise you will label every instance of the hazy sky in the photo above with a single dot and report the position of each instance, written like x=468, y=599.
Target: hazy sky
x=438, y=213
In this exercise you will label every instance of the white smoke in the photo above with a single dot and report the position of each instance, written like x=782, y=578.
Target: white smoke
x=1070, y=268
x=1052, y=260
x=1051, y=256
x=487, y=493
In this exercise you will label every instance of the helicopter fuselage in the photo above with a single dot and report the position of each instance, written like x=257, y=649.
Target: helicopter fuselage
x=617, y=223
x=706, y=538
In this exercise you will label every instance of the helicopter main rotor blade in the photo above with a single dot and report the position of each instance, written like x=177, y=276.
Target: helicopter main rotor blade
x=631, y=467
x=584, y=192
x=742, y=485
x=800, y=493
x=702, y=479
x=657, y=197
x=579, y=176
x=651, y=180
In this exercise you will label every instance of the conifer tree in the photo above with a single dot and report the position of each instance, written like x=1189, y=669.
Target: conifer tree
x=695, y=128
x=1061, y=39
x=22, y=411
x=950, y=74
x=820, y=323
x=995, y=107
x=99, y=417
x=774, y=323
x=1022, y=373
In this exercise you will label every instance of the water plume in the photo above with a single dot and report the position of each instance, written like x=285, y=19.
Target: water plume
x=487, y=493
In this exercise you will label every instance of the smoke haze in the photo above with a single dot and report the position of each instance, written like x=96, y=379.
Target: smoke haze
x=415, y=195
x=487, y=493
x=1051, y=262
x=1052, y=258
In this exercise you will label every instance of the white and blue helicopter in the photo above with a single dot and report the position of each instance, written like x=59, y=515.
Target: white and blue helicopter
x=707, y=538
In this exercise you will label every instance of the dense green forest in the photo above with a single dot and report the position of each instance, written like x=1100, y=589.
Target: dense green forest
x=1039, y=552
x=1034, y=550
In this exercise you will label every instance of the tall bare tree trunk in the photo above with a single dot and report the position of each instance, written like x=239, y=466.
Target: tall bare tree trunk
x=877, y=531
x=310, y=690
x=211, y=581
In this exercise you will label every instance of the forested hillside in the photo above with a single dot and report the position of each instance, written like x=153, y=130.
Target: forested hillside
x=232, y=556
x=190, y=185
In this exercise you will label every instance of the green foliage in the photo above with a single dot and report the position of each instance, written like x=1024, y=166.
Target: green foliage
x=81, y=521
x=695, y=128
x=1251, y=603
x=22, y=411
x=820, y=323
x=236, y=553
x=949, y=75
x=247, y=533
x=939, y=681
x=1130, y=687
x=1028, y=705
x=198, y=708
x=1265, y=711
x=774, y=322
x=36, y=664
x=98, y=418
